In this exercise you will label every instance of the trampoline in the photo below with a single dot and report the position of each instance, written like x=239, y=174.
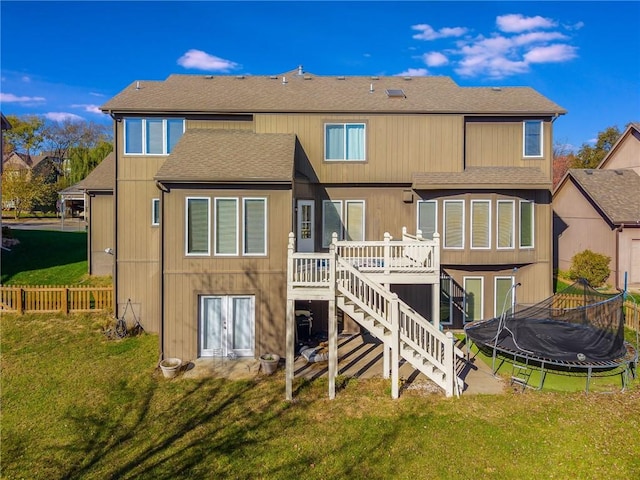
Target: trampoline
x=577, y=329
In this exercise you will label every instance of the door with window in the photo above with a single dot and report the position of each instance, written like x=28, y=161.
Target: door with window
x=305, y=241
x=227, y=326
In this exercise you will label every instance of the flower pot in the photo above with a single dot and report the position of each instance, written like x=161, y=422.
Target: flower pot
x=170, y=367
x=269, y=363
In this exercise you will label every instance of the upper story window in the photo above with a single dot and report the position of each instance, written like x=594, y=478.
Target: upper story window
x=526, y=224
x=155, y=212
x=480, y=224
x=532, y=138
x=344, y=141
x=453, y=224
x=151, y=136
x=505, y=224
x=428, y=218
x=197, y=226
x=344, y=218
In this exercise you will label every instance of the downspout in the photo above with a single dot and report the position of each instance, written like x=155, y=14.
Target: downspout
x=617, y=264
x=163, y=190
x=115, y=217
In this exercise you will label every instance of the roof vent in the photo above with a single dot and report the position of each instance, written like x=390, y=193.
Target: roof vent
x=589, y=172
x=375, y=77
x=496, y=89
x=341, y=77
x=137, y=85
x=395, y=93
x=273, y=77
x=284, y=80
x=619, y=172
x=371, y=88
x=240, y=77
x=300, y=71
x=407, y=78
x=307, y=77
x=209, y=77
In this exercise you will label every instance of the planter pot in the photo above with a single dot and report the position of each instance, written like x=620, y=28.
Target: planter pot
x=269, y=363
x=170, y=367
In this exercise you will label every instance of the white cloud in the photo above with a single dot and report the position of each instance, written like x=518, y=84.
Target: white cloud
x=515, y=22
x=11, y=98
x=203, y=61
x=537, y=37
x=575, y=26
x=434, y=59
x=63, y=116
x=551, y=54
x=96, y=94
x=88, y=107
x=428, y=33
x=413, y=72
x=26, y=79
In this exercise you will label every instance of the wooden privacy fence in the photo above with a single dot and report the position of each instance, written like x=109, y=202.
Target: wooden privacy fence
x=49, y=299
x=631, y=310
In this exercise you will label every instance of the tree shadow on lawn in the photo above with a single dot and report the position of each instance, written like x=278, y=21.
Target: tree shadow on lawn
x=201, y=430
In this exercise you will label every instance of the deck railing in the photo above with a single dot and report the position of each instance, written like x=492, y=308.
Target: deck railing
x=50, y=299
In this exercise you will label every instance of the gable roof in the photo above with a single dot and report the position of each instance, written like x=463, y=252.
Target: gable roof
x=633, y=130
x=292, y=92
x=615, y=192
x=103, y=177
x=206, y=155
x=483, y=178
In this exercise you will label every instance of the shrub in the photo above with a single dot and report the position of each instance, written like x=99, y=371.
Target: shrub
x=593, y=267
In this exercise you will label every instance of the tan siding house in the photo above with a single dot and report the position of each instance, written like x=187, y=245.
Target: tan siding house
x=599, y=210
x=235, y=163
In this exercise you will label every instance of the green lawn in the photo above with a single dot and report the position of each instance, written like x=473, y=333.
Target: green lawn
x=76, y=405
x=46, y=257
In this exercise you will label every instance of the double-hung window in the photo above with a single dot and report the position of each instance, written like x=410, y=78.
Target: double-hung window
x=526, y=224
x=346, y=218
x=254, y=240
x=480, y=224
x=226, y=225
x=151, y=136
x=532, y=138
x=473, y=298
x=505, y=224
x=345, y=141
x=504, y=299
x=453, y=224
x=198, y=226
x=428, y=218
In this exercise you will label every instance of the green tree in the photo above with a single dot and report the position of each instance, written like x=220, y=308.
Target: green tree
x=82, y=159
x=21, y=190
x=590, y=156
x=26, y=134
x=593, y=267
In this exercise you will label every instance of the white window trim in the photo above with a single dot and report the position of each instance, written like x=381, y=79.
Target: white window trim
x=364, y=141
x=488, y=247
x=435, y=220
x=266, y=227
x=324, y=232
x=444, y=224
x=155, y=222
x=144, y=136
x=464, y=306
x=215, y=222
x=533, y=225
x=513, y=225
x=524, y=139
x=186, y=227
x=499, y=303
x=346, y=218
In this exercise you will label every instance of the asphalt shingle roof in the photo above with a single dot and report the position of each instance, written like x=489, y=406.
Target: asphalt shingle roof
x=291, y=92
x=103, y=177
x=483, y=178
x=616, y=192
x=230, y=156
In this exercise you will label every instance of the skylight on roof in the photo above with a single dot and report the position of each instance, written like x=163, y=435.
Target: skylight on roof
x=395, y=93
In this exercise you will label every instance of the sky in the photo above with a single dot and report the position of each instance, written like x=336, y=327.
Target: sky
x=63, y=60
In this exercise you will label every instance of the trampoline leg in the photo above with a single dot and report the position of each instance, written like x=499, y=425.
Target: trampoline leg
x=543, y=375
x=588, y=380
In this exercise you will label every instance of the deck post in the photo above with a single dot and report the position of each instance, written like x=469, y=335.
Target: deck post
x=395, y=347
x=386, y=354
x=435, y=288
x=333, y=321
x=290, y=323
x=387, y=252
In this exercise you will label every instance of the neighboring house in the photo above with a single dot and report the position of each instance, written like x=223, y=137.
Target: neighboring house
x=99, y=213
x=213, y=172
x=599, y=209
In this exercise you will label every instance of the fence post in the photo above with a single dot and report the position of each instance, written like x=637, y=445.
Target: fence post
x=66, y=300
x=20, y=301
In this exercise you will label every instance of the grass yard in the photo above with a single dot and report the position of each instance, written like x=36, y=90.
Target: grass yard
x=76, y=405
x=47, y=257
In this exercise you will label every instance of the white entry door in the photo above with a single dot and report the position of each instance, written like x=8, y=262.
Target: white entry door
x=227, y=326
x=305, y=240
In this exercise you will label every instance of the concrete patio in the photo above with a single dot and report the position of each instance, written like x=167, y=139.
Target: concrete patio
x=360, y=356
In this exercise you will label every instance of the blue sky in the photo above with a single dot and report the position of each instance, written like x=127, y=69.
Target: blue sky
x=64, y=59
